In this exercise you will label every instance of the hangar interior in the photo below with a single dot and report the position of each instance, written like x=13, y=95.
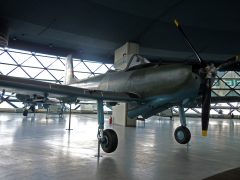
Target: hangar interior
x=61, y=139
x=50, y=68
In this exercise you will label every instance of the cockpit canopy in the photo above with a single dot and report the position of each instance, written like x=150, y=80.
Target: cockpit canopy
x=130, y=61
x=136, y=60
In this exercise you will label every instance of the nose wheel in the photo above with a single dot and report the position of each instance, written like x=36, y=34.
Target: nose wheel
x=182, y=135
x=109, y=141
x=107, y=138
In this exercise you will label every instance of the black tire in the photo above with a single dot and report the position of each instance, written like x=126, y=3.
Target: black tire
x=25, y=112
x=110, y=142
x=182, y=135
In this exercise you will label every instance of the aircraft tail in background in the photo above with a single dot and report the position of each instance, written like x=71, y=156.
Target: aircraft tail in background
x=69, y=74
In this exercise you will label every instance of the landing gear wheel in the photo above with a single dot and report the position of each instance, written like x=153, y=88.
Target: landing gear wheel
x=110, y=141
x=182, y=135
x=25, y=112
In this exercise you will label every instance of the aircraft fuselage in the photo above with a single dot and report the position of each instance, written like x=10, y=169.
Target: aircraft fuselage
x=148, y=83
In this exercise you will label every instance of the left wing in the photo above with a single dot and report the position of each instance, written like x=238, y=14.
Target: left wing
x=29, y=86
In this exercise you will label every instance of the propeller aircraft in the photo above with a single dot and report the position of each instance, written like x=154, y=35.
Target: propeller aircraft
x=147, y=87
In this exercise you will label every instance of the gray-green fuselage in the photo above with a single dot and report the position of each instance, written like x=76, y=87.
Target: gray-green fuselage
x=174, y=82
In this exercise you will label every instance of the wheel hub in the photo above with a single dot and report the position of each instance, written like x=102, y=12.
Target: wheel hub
x=180, y=135
x=104, y=141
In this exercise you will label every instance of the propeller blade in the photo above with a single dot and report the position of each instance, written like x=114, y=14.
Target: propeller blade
x=13, y=105
x=6, y=99
x=230, y=63
x=206, y=102
x=2, y=96
x=3, y=92
x=208, y=73
x=178, y=25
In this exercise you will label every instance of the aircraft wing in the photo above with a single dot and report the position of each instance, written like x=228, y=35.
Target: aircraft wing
x=29, y=86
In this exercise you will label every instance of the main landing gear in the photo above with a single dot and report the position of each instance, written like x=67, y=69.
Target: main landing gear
x=25, y=111
x=110, y=141
x=106, y=138
x=182, y=134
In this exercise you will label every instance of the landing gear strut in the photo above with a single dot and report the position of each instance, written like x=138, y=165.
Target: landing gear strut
x=106, y=138
x=182, y=134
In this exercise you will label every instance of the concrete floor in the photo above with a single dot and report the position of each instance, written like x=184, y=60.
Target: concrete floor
x=36, y=148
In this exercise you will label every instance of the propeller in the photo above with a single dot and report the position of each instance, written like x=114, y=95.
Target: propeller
x=206, y=101
x=2, y=98
x=208, y=73
x=2, y=95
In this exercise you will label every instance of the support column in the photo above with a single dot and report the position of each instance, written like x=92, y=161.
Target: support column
x=120, y=116
x=123, y=54
x=121, y=58
x=70, y=116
